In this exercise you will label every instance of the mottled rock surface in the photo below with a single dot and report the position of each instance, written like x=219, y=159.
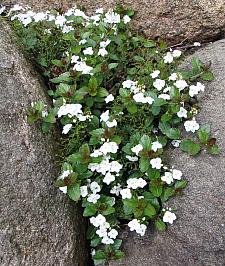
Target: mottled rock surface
x=197, y=238
x=174, y=21
x=38, y=225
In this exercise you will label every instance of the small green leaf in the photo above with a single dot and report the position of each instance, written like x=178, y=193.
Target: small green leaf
x=190, y=147
x=208, y=76
x=132, y=108
x=113, y=65
x=156, y=189
x=180, y=184
x=145, y=141
x=74, y=192
x=90, y=210
x=149, y=210
x=204, y=134
x=144, y=164
x=214, y=149
x=160, y=225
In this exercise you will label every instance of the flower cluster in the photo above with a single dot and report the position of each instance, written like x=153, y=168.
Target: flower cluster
x=120, y=102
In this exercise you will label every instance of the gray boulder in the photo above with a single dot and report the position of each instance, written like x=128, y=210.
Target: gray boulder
x=197, y=238
x=173, y=21
x=38, y=224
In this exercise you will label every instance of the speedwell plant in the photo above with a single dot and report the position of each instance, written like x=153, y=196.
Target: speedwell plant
x=120, y=101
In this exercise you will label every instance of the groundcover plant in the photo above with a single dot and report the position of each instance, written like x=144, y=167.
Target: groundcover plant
x=121, y=102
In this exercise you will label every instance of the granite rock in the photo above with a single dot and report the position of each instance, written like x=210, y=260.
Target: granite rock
x=38, y=224
x=173, y=21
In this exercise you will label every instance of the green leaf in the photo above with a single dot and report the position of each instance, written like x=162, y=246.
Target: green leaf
x=160, y=225
x=144, y=164
x=167, y=193
x=204, y=134
x=208, y=76
x=74, y=192
x=180, y=184
x=57, y=63
x=132, y=108
x=102, y=92
x=190, y=147
x=145, y=141
x=113, y=65
x=149, y=210
x=156, y=189
x=65, y=77
x=149, y=44
x=90, y=210
x=99, y=257
x=214, y=149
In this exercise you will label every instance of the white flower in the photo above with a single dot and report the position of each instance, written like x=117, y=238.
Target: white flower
x=191, y=125
x=113, y=233
x=60, y=20
x=167, y=89
x=109, y=147
x=164, y=96
x=70, y=109
x=177, y=174
x=159, y=84
x=102, y=232
x=83, y=191
x=109, y=98
x=99, y=11
x=115, y=166
x=65, y=174
x=104, y=44
x=136, y=226
x=148, y=100
x=129, y=84
x=111, y=17
x=95, y=188
x=139, y=97
x=197, y=44
x=168, y=178
x=177, y=53
x=176, y=143
x=141, y=230
x=2, y=9
x=39, y=16
x=67, y=29
x=63, y=189
x=126, y=193
x=169, y=217
x=74, y=59
x=173, y=76
x=126, y=19
x=181, y=84
x=132, y=159
x=182, y=113
x=116, y=190
x=135, y=183
x=102, y=52
x=104, y=116
x=107, y=241
x=156, y=163
x=83, y=67
x=96, y=153
x=156, y=145
x=98, y=220
x=66, y=128
x=93, y=198
x=155, y=74
x=195, y=89
x=136, y=149
x=111, y=124
x=81, y=42
x=109, y=178
x=88, y=51
x=168, y=58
